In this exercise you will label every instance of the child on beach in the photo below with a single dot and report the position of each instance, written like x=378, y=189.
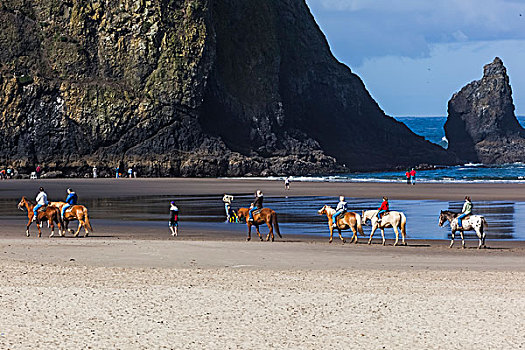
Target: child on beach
x=174, y=219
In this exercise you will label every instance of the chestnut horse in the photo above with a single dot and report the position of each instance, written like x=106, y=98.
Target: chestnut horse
x=74, y=212
x=348, y=220
x=50, y=214
x=263, y=216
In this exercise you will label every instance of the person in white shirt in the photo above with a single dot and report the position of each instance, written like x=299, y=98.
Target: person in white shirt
x=174, y=219
x=341, y=208
x=41, y=200
x=227, y=199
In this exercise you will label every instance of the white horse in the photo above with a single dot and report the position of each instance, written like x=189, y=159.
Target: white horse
x=470, y=223
x=395, y=219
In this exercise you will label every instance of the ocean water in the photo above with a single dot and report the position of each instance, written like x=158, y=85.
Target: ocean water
x=431, y=128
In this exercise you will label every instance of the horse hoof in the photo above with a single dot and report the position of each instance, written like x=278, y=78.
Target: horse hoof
x=344, y=241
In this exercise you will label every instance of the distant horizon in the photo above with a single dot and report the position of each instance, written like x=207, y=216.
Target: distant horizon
x=431, y=116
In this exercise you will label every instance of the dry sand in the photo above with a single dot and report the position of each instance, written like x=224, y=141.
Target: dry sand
x=226, y=294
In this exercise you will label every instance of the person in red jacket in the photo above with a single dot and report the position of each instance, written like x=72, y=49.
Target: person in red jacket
x=413, y=176
x=407, y=174
x=382, y=209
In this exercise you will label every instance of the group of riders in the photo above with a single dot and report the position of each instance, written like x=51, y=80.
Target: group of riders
x=342, y=207
x=42, y=202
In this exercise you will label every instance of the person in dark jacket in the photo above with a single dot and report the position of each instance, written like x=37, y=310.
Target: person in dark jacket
x=174, y=219
x=71, y=200
x=257, y=203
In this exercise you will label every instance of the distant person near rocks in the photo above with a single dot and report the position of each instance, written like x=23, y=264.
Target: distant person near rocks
x=38, y=170
x=174, y=219
x=95, y=172
x=117, y=172
x=407, y=174
x=413, y=176
x=10, y=173
x=287, y=183
x=130, y=172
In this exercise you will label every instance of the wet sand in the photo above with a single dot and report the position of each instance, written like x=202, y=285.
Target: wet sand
x=210, y=289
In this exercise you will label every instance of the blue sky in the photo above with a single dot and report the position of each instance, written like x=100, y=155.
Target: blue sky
x=414, y=54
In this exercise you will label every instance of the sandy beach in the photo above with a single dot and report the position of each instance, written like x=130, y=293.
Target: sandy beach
x=210, y=289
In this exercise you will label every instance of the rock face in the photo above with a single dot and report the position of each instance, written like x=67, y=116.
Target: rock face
x=481, y=125
x=187, y=88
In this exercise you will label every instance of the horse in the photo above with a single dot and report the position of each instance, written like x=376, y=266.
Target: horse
x=395, y=219
x=470, y=223
x=51, y=214
x=349, y=220
x=74, y=212
x=261, y=216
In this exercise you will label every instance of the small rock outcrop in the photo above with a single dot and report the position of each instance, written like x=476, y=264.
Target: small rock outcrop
x=481, y=126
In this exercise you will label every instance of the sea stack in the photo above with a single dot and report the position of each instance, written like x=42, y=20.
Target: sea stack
x=481, y=126
x=187, y=88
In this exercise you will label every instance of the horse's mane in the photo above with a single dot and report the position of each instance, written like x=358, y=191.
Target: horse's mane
x=453, y=213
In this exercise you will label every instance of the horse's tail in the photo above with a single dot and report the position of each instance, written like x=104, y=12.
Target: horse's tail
x=276, y=224
x=88, y=224
x=484, y=222
x=359, y=224
x=403, y=224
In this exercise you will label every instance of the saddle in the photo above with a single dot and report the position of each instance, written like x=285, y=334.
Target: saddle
x=258, y=211
x=43, y=208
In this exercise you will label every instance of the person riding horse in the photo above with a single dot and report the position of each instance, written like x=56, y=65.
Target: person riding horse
x=71, y=200
x=257, y=204
x=382, y=209
x=467, y=210
x=41, y=200
x=342, y=207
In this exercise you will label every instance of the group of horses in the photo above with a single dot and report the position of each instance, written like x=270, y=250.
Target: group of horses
x=354, y=222
x=52, y=215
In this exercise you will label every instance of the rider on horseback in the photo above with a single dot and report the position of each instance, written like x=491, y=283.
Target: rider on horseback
x=71, y=200
x=467, y=210
x=382, y=209
x=341, y=208
x=257, y=204
x=41, y=200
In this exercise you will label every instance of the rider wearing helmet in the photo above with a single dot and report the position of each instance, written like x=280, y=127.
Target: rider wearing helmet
x=257, y=204
x=41, y=200
x=71, y=200
x=341, y=208
x=467, y=210
x=382, y=209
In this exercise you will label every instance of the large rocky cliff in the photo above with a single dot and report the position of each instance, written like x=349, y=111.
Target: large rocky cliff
x=481, y=124
x=187, y=88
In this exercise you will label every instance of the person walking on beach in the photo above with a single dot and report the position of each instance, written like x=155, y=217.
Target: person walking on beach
x=227, y=200
x=382, y=209
x=257, y=204
x=341, y=208
x=38, y=171
x=130, y=172
x=467, y=210
x=94, y=172
x=407, y=174
x=116, y=173
x=41, y=200
x=413, y=176
x=287, y=183
x=174, y=219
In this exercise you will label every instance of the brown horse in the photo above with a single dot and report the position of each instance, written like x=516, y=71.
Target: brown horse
x=74, y=212
x=263, y=216
x=50, y=214
x=349, y=220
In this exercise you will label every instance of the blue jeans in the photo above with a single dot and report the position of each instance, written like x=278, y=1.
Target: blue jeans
x=227, y=209
x=462, y=216
x=379, y=213
x=336, y=214
x=64, y=209
x=35, y=210
x=251, y=212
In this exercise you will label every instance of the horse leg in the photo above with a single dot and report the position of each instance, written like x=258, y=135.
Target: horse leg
x=354, y=234
x=397, y=235
x=78, y=229
x=374, y=228
x=52, y=229
x=340, y=235
x=39, y=231
x=27, y=226
x=452, y=236
x=462, y=239
x=331, y=232
x=270, y=227
x=249, y=232
x=258, y=232
x=478, y=233
x=383, y=235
